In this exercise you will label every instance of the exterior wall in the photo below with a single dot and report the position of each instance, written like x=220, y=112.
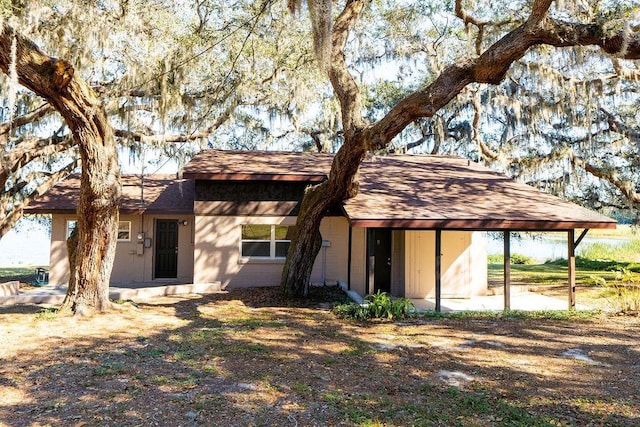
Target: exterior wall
x=59, y=262
x=335, y=232
x=359, y=260
x=217, y=252
x=464, y=264
x=478, y=264
x=133, y=262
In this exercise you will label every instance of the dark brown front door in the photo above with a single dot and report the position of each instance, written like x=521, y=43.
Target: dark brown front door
x=379, y=256
x=166, y=249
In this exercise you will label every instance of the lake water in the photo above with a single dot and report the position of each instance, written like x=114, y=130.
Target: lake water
x=550, y=247
x=28, y=246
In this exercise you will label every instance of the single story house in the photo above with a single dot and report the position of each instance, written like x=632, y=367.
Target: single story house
x=414, y=229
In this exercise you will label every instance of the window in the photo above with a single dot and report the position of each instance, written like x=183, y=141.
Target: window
x=71, y=224
x=124, y=231
x=265, y=241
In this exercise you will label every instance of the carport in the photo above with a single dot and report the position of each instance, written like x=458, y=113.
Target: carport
x=449, y=193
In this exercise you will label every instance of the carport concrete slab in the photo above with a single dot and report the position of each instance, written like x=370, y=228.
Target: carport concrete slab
x=525, y=301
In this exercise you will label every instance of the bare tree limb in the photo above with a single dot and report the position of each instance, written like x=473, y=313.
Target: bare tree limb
x=610, y=175
x=31, y=117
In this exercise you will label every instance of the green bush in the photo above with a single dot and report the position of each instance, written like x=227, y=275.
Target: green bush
x=350, y=310
x=515, y=259
x=624, y=290
x=377, y=306
x=597, y=264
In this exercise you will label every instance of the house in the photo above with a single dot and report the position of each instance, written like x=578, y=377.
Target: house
x=414, y=229
x=155, y=237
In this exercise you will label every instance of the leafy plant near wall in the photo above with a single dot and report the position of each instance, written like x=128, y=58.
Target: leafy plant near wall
x=377, y=306
x=623, y=292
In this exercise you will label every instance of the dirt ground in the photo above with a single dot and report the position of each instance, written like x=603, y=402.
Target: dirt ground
x=251, y=358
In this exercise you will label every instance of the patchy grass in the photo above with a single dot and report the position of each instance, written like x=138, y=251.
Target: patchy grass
x=23, y=274
x=627, y=252
x=598, y=282
x=252, y=358
x=553, y=273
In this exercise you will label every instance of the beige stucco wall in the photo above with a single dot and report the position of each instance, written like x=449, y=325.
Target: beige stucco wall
x=133, y=262
x=217, y=252
x=359, y=260
x=464, y=264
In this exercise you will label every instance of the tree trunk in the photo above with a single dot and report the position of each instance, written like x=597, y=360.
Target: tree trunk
x=307, y=240
x=54, y=80
x=360, y=136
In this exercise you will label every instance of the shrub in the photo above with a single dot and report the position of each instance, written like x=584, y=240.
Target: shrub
x=515, y=259
x=624, y=292
x=377, y=306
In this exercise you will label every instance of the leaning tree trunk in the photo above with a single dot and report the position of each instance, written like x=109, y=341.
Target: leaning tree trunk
x=307, y=241
x=360, y=136
x=77, y=103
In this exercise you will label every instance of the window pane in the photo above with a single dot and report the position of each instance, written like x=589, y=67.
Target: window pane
x=260, y=249
x=124, y=230
x=256, y=232
x=284, y=232
x=281, y=249
x=70, y=226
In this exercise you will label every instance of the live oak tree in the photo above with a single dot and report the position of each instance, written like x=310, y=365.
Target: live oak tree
x=174, y=79
x=55, y=81
x=489, y=65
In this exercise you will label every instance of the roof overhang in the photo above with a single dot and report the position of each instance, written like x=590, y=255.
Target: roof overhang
x=478, y=224
x=254, y=177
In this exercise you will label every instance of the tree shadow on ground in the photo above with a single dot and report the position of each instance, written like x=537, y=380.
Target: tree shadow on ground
x=245, y=358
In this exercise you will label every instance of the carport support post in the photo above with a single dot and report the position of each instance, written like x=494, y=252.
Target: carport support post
x=507, y=270
x=571, y=267
x=438, y=270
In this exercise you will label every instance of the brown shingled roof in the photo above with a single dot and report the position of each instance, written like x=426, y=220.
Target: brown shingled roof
x=258, y=165
x=162, y=194
x=413, y=191
x=395, y=191
x=448, y=192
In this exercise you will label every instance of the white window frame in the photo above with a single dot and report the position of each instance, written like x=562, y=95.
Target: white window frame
x=124, y=226
x=272, y=243
x=69, y=228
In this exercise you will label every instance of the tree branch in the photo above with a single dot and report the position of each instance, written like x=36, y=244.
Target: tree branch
x=492, y=66
x=25, y=119
x=610, y=175
x=14, y=209
x=343, y=83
